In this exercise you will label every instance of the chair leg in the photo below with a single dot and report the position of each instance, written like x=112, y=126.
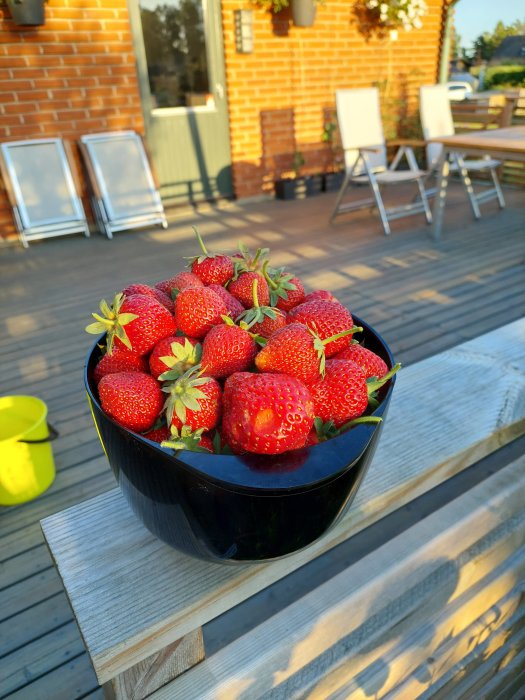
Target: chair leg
x=340, y=194
x=423, y=195
x=380, y=205
x=465, y=178
x=497, y=187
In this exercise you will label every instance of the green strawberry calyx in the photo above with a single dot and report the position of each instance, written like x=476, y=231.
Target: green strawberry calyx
x=245, y=327
x=319, y=345
x=373, y=384
x=257, y=313
x=184, y=394
x=185, y=356
x=185, y=439
x=278, y=283
x=326, y=431
x=248, y=262
x=112, y=323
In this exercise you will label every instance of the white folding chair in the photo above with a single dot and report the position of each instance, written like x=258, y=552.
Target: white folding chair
x=361, y=129
x=436, y=121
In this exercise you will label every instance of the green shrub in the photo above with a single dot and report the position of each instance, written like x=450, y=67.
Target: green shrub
x=504, y=76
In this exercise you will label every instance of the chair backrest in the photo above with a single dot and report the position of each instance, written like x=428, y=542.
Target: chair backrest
x=359, y=118
x=436, y=118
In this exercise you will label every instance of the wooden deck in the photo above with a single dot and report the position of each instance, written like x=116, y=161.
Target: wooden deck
x=422, y=296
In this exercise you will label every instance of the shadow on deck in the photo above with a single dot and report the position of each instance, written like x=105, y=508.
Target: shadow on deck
x=421, y=296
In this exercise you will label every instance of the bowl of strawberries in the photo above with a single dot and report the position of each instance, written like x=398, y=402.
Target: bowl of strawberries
x=238, y=412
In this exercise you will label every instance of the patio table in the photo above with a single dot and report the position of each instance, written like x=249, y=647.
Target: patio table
x=439, y=596
x=504, y=144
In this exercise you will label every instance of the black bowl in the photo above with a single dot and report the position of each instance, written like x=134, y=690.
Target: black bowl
x=240, y=508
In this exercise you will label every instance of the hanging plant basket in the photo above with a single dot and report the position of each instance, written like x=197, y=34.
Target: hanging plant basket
x=303, y=12
x=27, y=12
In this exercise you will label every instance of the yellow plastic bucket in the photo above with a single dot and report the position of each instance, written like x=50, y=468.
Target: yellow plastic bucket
x=27, y=467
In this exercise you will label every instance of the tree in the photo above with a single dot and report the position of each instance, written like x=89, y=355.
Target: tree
x=486, y=43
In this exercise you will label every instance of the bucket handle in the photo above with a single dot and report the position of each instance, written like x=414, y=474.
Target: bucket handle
x=53, y=434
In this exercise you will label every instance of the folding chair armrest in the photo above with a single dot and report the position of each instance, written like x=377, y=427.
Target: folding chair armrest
x=406, y=151
x=413, y=143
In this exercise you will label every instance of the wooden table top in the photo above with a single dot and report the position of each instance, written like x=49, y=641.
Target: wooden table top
x=511, y=140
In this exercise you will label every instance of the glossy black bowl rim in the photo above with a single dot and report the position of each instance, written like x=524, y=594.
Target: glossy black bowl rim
x=322, y=462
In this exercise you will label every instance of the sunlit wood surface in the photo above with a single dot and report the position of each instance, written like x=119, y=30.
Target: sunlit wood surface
x=421, y=296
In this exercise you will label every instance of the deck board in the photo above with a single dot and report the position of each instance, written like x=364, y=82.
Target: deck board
x=421, y=295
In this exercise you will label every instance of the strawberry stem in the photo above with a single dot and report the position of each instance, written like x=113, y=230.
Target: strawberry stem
x=357, y=421
x=267, y=277
x=378, y=383
x=254, y=294
x=354, y=329
x=201, y=242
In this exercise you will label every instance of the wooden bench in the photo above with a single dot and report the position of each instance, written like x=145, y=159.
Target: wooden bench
x=435, y=608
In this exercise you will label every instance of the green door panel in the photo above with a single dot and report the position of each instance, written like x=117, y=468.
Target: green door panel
x=189, y=144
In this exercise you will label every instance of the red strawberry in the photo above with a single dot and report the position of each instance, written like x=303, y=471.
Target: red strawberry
x=371, y=364
x=268, y=414
x=133, y=399
x=319, y=294
x=230, y=385
x=262, y=320
x=122, y=360
x=193, y=400
x=286, y=291
x=182, y=280
x=212, y=269
x=137, y=322
x=227, y=349
x=343, y=393
x=242, y=289
x=295, y=350
x=175, y=354
x=197, y=310
x=158, y=434
x=233, y=305
x=327, y=319
x=148, y=291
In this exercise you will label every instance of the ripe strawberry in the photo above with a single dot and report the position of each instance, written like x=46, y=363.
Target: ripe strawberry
x=182, y=280
x=371, y=364
x=268, y=414
x=158, y=434
x=212, y=269
x=295, y=350
x=148, y=291
x=197, y=310
x=230, y=385
x=133, y=399
x=233, y=305
x=327, y=319
x=242, y=289
x=227, y=349
x=343, y=393
x=262, y=320
x=137, y=322
x=286, y=291
x=319, y=294
x=193, y=400
x=122, y=360
x=174, y=356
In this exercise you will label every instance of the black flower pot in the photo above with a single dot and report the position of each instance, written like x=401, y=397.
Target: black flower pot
x=27, y=12
x=240, y=508
x=332, y=182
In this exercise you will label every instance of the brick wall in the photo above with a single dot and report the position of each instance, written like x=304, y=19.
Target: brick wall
x=74, y=75
x=281, y=95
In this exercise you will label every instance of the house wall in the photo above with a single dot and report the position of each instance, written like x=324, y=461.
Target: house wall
x=76, y=74
x=281, y=95
x=72, y=76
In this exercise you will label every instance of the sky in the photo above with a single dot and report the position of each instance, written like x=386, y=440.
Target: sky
x=473, y=17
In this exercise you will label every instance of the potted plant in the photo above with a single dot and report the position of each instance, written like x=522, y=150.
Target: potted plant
x=334, y=174
x=27, y=12
x=383, y=18
x=303, y=11
x=296, y=185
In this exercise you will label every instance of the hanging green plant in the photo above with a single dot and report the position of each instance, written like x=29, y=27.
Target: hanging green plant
x=384, y=18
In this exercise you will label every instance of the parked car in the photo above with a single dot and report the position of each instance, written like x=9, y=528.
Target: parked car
x=459, y=90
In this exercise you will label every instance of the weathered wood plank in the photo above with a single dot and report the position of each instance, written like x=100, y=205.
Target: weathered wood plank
x=400, y=471
x=329, y=628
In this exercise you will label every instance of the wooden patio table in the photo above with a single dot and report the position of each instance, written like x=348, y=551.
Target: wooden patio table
x=503, y=144
x=436, y=607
